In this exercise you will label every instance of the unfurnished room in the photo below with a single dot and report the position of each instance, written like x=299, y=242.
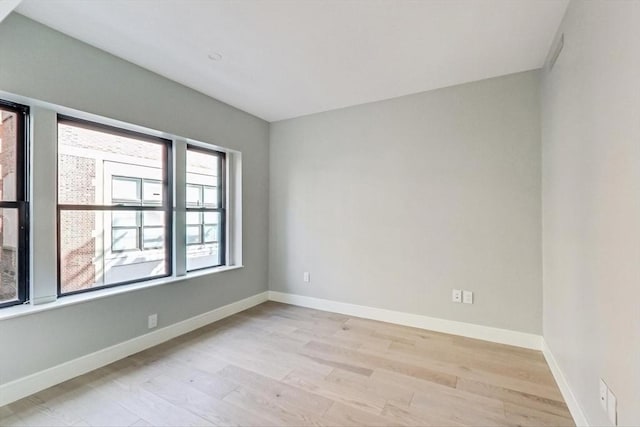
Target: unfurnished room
x=320, y=213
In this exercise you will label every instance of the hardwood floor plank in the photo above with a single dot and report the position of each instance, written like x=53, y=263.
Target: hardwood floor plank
x=455, y=407
x=522, y=415
x=145, y=404
x=551, y=406
x=409, y=417
x=428, y=394
x=371, y=361
x=75, y=402
x=314, y=383
x=345, y=366
x=398, y=395
x=277, y=390
x=329, y=338
x=35, y=411
x=345, y=415
x=201, y=404
x=369, y=342
x=278, y=410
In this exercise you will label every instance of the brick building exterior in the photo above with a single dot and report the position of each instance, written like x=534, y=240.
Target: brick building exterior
x=78, y=251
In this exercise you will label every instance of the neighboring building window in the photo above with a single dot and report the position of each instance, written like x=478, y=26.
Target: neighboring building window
x=14, y=238
x=202, y=227
x=114, y=206
x=136, y=230
x=206, y=208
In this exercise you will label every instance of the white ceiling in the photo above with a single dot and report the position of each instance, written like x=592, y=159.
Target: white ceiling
x=283, y=59
x=6, y=7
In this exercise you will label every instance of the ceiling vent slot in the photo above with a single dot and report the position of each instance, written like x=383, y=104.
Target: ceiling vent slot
x=556, y=52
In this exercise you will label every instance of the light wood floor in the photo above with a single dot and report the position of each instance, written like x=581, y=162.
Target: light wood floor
x=283, y=365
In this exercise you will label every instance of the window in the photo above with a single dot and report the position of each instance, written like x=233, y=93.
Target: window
x=114, y=206
x=105, y=206
x=206, y=213
x=136, y=230
x=14, y=263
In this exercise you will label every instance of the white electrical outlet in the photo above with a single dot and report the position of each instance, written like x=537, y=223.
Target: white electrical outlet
x=456, y=296
x=604, y=390
x=153, y=321
x=467, y=297
x=306, y=277
x=612, y=409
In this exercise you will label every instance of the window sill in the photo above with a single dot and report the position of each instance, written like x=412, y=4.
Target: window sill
x=27, y=309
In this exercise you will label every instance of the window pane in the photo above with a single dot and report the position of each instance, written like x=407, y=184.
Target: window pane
x=207, y=254
x=87, y=259
x=152, y=192
x=211, y=197
x=211, y=229
x=211, y=217
x=153, y=237
x=8, y=148
x=124, y=219
x=193, y=234
x=193, y=218
x=194, y=195
x=8, y=255
x=124, y=239
x=202, y=167
x=89, y=158
x=203, y=256
x=127, y=189
x=211, y=233
x=202, y=170
x=153, y=218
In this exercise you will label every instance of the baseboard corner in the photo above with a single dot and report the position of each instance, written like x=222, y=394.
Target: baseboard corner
x=570, y=399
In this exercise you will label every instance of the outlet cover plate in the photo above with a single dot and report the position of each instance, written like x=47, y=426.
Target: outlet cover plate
x=153, y=321
x=456, y=295
x=467, y=297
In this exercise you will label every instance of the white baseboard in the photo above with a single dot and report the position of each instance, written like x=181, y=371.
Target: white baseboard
x=22, y=387
x=570, y=399
x=487, y=333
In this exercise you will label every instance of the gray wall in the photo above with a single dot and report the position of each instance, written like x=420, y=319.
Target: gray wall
x=395, y=203
x=38, y=62
x=591, y=200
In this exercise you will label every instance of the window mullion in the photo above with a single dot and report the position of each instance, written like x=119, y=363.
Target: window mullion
x=140, y=230
x=180, y=201
x=44, y=158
